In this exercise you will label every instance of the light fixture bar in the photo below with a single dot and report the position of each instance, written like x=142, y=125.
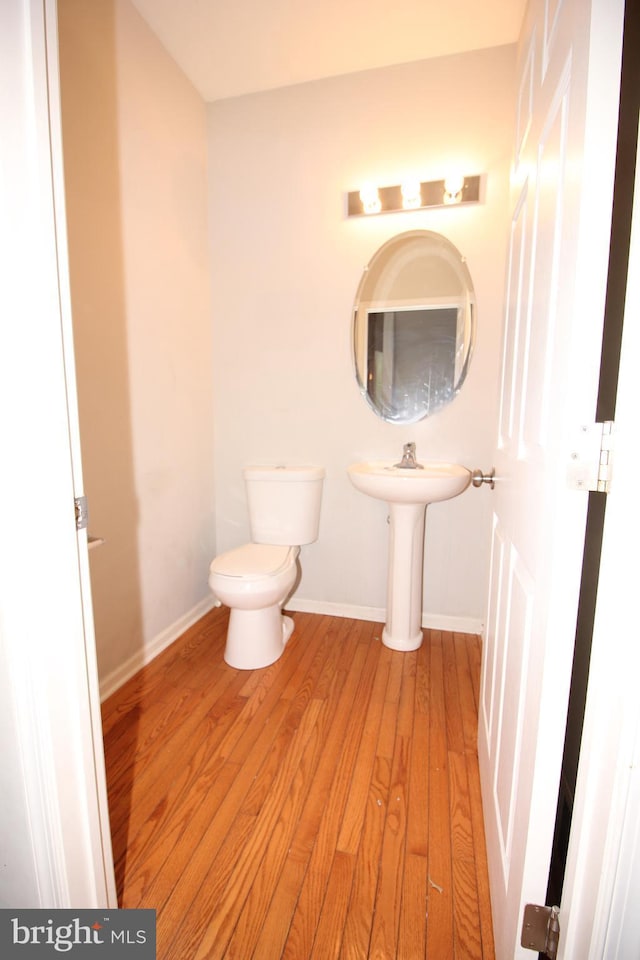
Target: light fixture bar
x=433, y=193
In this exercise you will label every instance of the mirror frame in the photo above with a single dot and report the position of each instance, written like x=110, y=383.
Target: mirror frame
x=372, y=296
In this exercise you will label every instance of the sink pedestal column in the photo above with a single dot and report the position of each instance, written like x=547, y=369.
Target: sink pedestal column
x=403, y=629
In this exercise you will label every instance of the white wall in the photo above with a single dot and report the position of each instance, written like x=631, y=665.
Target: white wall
x=285, y=266
x=135, y=168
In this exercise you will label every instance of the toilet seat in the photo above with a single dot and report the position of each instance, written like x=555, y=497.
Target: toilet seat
x=254, y=561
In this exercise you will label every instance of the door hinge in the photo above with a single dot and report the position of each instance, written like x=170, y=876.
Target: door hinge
x=82, y=513
x=541, y=929
x=590, y=461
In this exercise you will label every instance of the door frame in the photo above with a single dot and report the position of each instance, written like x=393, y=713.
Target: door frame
x=56, y=838
x=599, y=917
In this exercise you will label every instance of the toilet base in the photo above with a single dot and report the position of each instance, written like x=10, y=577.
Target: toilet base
x=256, y=638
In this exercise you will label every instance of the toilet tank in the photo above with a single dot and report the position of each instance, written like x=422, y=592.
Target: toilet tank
x=284, y=503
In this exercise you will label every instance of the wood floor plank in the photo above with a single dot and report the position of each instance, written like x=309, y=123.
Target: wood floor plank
x=198, y=835
x=480, y=857
x=271, y=942
x=384, y=933
x=196, y=652
x=453, y=710
x=459, y=808
x=254, y=912
x=466, y=918
x=412, y=935
x=440, y=896
x=152, y=809
x=131, y=694
x=355, y=810
x=394, y=685
x=312, y=893
x=161, y=869
x=180, y=768
x=418, y=802
x=359, y=921
x=329, y=932
x=181, y=935
x=467, y=696
x=223, y=893
x=327, y=806
x=474, y=651
x=273, y=934
x=422, y=697
x=256, y=905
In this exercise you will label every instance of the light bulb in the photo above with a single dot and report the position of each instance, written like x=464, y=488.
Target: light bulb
x=411, y=198
x=370, y=198
x=453, y=187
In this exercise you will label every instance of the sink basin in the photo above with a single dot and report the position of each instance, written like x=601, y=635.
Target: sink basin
x=437, y=481
x=408, y=492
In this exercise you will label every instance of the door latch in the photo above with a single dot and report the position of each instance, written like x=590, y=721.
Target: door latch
x=82, y=513
x=541, y=929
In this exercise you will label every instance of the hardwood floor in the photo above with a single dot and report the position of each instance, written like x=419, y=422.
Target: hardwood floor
x=327, y=806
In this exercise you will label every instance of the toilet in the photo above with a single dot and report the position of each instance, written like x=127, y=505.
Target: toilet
x=255, y=580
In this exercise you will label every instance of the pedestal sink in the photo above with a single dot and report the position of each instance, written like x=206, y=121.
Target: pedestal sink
x=407, y=492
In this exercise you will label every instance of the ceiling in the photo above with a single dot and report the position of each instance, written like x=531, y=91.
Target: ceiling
x=232, y=47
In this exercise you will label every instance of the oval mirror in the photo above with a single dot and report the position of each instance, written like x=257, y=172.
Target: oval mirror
x=413, y=326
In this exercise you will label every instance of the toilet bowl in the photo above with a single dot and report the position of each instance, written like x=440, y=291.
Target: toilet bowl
x=256, y=579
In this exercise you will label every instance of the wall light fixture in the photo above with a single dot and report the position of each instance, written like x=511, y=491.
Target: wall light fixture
x=413, y=195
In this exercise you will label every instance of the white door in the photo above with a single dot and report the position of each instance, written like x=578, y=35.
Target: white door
x=567, y=101
x=56, y=848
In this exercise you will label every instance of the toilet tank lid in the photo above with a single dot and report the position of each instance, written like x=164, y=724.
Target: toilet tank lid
x=284, y=473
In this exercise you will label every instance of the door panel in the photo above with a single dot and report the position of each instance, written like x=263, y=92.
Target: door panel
x=552, y=10
x=542, y=298
x=554, y=302
x=514, y=333
x=515, y=657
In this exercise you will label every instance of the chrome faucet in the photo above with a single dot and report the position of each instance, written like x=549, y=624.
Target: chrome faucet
x=409, y=461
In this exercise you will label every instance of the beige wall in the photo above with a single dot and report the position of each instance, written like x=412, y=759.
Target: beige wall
x=285, y=265
x=135, y=169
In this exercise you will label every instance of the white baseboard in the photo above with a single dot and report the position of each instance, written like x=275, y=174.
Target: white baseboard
x=149, y=651
x=431, y=621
